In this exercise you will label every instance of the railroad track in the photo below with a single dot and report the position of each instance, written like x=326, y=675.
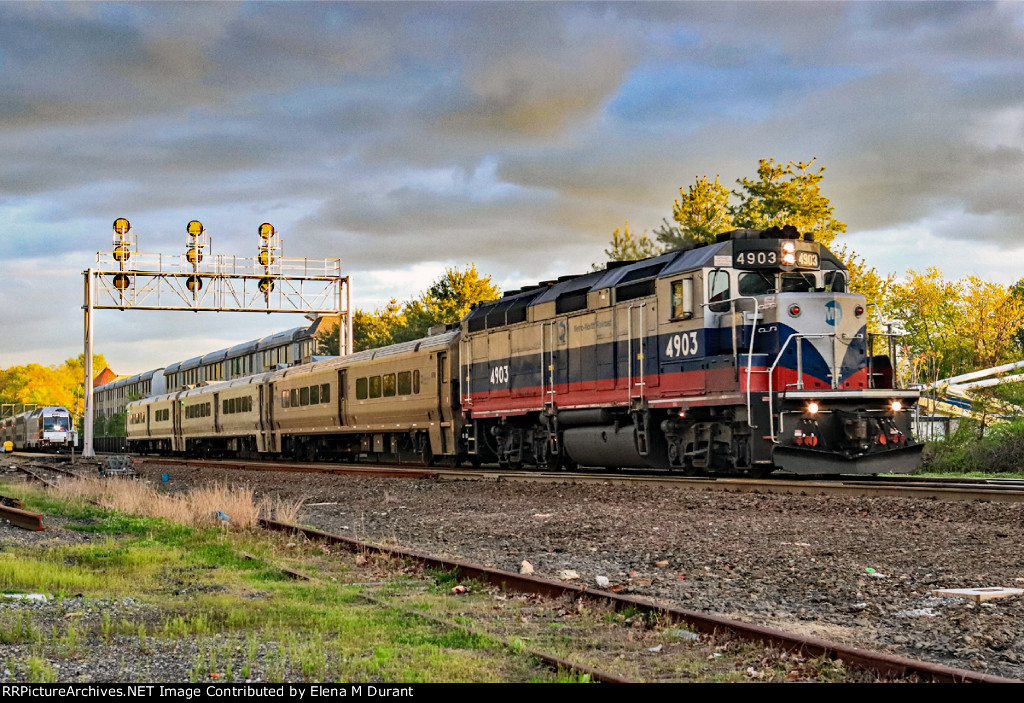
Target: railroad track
x=886, y=665
x=939, y=488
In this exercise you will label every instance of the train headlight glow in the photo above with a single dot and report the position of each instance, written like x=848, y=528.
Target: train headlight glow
x=896, y=406
x=812, y=408
x=789, y=259
x=788, y=248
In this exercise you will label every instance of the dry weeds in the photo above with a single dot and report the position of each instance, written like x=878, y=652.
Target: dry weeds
x=204, y=506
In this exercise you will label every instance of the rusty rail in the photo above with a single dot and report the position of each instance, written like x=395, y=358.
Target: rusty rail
x=22, y=518
x=884, y=664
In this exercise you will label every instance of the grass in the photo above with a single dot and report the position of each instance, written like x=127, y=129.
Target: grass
x=221, y=592
x=244, y=617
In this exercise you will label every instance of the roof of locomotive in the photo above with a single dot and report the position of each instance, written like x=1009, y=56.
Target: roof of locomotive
x=621, y=272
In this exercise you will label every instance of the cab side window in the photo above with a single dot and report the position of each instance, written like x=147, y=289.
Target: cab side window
x=718, y=291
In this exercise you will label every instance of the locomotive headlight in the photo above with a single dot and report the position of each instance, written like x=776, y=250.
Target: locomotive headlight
x=789, y=247
x=896, y=406
x=812, y=408
x=789, y=259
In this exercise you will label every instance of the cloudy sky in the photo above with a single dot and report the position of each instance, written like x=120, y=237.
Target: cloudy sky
x=407, y=137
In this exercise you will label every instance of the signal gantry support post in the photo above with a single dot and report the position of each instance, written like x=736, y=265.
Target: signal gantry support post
x=199, y=281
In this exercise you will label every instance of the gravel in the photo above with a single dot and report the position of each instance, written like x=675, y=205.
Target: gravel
x=859, y=571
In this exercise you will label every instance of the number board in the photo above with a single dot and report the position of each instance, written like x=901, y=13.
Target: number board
x=771, y=254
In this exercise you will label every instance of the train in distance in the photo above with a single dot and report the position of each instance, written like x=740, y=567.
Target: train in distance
x=740, y=357
x=48, y=428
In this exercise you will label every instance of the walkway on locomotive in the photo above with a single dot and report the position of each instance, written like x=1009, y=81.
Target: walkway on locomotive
x=599, y=338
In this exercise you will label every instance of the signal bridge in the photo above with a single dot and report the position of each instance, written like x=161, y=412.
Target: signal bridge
x=198, y=280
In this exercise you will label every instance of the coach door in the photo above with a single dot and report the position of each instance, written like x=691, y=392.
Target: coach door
x=267, y=410
x=342, y=386
x=216, y=413
x=177, y=444
x=444, y=402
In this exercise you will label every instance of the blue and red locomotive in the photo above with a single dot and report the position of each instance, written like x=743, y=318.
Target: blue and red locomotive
x=741, y=356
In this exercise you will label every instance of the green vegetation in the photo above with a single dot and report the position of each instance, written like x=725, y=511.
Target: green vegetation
x=223, y=601
x=448, y=299
x=999, y=451
x=246, y=617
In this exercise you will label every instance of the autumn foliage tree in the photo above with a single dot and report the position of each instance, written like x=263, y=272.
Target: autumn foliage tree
x=59, y=384
x=448, y=299
x=954, y=326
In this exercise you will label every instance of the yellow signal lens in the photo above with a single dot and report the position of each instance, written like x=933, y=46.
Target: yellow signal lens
x=194, y=255
x=266, y=285
x=266, y=230
x=122, y=253
x=120, y=281
x=194, y=283
x=195, y=228
x=266, y=258
x=122, y=225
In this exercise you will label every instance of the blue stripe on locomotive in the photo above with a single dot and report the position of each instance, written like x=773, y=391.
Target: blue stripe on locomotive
x=607, y=361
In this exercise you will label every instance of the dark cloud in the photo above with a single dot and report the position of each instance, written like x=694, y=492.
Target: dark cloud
x=392, y=134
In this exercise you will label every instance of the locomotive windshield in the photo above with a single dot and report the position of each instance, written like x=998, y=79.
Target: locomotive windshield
x=766, y=283
x=55, y=424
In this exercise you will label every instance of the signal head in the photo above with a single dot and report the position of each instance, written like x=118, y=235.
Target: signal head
x=195, y=228
x=121, y=226
x=266, y=230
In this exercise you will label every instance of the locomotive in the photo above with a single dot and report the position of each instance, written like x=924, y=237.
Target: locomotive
x=738, y=357
x=47, y=428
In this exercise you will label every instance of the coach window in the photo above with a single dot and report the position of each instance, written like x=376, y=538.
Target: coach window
x=325, y=393
x=389, y=384
x=718, y=291
x=314, y=395
x=405, y=383
x=375, y=386
x=224, y=407
x=682, y=298
x=304, y=396
x=294, y=392
x=285, y=399
x=360, y=389
x=416, y=381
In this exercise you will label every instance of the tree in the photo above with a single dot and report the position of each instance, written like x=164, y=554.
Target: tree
x=954, y=327
x=626, y=246
x=47, y=385
x=702, y=212
x=787, y=195
x=448, y=299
